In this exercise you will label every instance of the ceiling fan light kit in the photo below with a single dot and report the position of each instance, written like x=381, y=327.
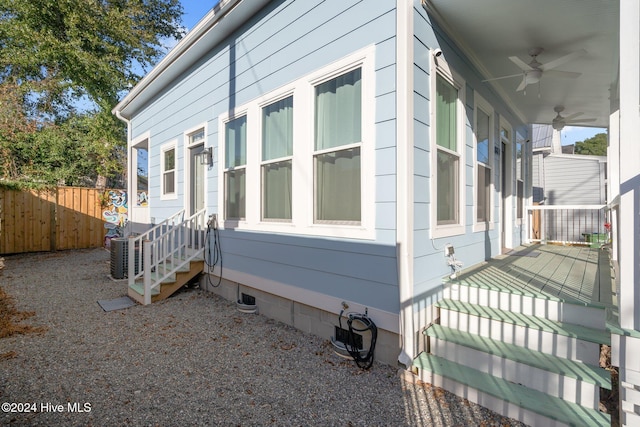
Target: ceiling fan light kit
x=532, y=73
x=559, y=122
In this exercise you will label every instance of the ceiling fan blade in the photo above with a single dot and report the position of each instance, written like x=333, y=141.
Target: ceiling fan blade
x=563, y=74
x=503, y=77
x=522, y=85
x=573, y=116
x=563, y=59
x=579, y=121
x=520, y=63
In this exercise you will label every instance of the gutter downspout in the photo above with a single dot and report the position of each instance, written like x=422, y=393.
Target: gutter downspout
x=122, y=118
x=404, y=177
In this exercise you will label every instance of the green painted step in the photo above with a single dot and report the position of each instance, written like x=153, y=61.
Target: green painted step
x=532, y=400
x=547, y=362
x=599, y=336
x=170, y=265
x=488, y=277
x=155, y=275
x=491, y=278
x=139, y=288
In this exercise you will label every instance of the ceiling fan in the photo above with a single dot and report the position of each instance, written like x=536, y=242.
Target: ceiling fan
x=560, y=122
x=533, y=71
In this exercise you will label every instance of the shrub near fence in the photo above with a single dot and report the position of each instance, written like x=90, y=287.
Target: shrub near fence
x=49, y=220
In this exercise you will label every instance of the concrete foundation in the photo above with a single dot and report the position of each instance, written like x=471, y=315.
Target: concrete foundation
x=304, y=317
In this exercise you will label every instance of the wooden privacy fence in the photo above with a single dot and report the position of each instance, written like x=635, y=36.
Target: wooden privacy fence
x=59, y=219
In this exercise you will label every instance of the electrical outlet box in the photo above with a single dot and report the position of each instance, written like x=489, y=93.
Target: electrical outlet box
x=448, y=250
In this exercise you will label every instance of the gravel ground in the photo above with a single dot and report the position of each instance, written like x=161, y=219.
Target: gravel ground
x=190, y=360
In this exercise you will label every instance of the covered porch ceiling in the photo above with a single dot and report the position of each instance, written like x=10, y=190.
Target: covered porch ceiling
x=491, y=31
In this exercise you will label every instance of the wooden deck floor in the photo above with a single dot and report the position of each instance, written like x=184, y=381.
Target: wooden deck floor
x=576, y=273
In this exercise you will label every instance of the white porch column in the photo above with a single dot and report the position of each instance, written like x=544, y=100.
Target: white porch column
x=556, y=142
x=626, y=348
x=404, y=174
x=613, y=178
x=630, y=164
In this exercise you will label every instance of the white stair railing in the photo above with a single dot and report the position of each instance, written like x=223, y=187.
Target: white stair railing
x=166, y=248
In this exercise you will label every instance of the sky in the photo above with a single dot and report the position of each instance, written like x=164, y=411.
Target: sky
x=572, y=134
x=194, y=11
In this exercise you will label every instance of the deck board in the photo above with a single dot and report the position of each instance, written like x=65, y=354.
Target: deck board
x=573, y=273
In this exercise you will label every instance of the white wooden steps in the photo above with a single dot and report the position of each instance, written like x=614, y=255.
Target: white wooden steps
x=170, y=284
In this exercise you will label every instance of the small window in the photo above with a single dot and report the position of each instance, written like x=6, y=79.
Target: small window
x=277, y=160
x=196, y=137
x=338, y=137
x=169, y=171
x=235, y=167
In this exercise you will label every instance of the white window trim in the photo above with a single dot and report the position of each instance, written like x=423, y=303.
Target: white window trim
x=186, y=137
x=173, y=145
x=441, y=67
x=303, y=91
x=482, y=104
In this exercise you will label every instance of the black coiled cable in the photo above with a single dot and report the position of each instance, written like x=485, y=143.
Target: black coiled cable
x=213, y=254
x=366, y=361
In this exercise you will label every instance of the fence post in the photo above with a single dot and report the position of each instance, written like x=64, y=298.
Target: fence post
x=53, y=216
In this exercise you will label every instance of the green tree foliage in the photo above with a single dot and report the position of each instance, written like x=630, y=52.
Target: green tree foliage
x=58, y=54
x=595, y=146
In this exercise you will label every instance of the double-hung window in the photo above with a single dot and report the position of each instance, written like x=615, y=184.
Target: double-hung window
x=519, y=181
x=337, y=144
x=448, y=157
x=168, y=167
x=484, y=154
x=235, y=167
x=277, y=160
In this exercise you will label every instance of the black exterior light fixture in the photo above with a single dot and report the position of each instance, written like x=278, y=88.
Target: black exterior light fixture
x=206, y=156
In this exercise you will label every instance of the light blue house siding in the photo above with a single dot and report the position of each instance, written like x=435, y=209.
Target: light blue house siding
x=471, y=247
x=284, y=42
x=285, y=49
